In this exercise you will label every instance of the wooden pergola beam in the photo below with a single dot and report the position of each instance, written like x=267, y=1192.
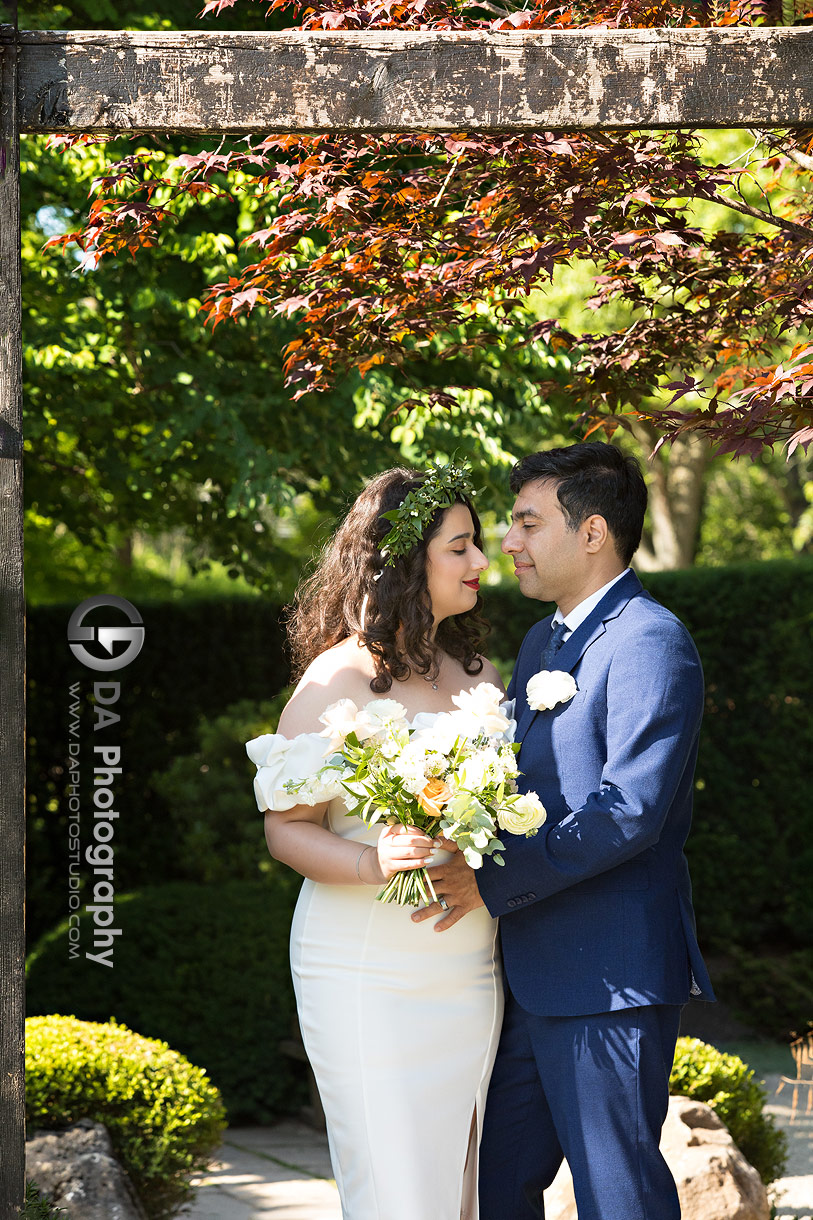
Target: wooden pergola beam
x=397, y=81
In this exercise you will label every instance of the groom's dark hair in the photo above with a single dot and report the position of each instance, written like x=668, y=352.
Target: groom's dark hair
x=592, y=477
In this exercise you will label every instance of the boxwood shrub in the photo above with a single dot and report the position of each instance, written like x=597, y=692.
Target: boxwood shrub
x=164, y=1116
x=727, y=1085
x=203, y=967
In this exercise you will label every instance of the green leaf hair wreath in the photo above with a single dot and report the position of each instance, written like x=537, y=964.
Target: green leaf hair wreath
x=442, y=485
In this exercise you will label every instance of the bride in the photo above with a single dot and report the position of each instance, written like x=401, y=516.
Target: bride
x=400, y=1024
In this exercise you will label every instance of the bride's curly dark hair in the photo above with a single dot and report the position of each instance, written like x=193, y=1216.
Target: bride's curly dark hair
x=329, y=605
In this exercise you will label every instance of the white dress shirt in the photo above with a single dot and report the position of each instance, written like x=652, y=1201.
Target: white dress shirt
x=579, y=613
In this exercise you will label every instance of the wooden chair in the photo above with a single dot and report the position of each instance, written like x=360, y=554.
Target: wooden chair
x=802, y=1051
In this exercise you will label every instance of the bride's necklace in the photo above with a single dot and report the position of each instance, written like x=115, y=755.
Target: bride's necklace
x=433, y=682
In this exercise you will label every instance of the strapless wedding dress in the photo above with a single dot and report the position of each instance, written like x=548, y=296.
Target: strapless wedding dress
x=400, y=1024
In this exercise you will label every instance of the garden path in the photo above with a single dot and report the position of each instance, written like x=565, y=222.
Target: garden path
x=283, y=1172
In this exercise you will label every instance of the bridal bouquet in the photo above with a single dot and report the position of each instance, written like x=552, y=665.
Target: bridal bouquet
x=454, y=777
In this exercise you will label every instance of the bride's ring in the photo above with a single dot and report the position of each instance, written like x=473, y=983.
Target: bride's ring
x=444, y=906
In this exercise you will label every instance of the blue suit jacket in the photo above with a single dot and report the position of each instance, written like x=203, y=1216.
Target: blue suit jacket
x=596, y=908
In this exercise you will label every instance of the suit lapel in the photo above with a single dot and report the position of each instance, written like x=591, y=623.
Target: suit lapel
x=574, y=648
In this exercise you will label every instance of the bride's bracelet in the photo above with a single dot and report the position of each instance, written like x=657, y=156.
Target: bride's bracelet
x=369, y=847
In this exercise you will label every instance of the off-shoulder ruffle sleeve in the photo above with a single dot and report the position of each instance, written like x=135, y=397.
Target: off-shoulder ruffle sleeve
x=282, y=760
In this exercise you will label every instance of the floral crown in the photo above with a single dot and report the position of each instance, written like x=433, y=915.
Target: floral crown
x=441, y=486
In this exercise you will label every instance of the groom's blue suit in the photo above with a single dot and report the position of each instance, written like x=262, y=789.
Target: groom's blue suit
x=596, y=923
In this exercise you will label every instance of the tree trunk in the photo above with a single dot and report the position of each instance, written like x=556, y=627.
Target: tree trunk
x=124, y=551
x=676, y=494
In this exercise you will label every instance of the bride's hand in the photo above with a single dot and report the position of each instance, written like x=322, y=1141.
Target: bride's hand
x=400, y=848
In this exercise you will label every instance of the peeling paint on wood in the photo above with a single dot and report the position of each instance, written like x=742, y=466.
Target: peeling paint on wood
x=294, y=81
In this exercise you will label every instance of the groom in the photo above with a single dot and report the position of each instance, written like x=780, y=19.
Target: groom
x=595, y=911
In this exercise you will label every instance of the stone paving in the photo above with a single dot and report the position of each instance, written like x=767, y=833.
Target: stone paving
x=283, y=1172
x=793, y=1194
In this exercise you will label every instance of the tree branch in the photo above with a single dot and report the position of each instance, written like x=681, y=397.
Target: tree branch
x=745, y=209
x=795, y=154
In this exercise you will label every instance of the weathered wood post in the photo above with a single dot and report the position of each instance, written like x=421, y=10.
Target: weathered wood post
x=12, y=645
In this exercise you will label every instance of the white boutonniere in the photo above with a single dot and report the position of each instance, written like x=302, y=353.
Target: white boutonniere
x=550, y=687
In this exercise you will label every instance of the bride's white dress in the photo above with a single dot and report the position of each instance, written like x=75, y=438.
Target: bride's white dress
x=400, y=1023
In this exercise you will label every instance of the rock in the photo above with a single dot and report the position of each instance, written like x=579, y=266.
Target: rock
x=76, y=1169
x=714, y=1180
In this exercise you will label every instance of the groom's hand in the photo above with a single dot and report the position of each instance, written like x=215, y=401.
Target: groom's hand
x=455, y=883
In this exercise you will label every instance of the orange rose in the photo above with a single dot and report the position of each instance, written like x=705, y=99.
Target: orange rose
x=434, y=796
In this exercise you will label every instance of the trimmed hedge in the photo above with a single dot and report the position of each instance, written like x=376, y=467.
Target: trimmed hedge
x=164, y=1116
x=751, y=848
x=206, y=789
x=205, y=968
x=198, y=657
x=727, y=1085
x=773, y=993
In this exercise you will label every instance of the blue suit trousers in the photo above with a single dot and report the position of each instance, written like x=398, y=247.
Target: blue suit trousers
x=593, y=1089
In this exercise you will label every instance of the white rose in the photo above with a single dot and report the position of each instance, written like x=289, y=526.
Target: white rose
x=522, y=815
x=441, y=736
x=549, y=687
x=340, y=720
x=381, y=714
x=481, y=706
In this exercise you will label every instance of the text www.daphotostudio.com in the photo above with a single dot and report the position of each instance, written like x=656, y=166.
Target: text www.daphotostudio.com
x=99, y=649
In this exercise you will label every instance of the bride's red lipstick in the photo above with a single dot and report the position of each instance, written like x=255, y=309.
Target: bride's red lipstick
x=473, y=584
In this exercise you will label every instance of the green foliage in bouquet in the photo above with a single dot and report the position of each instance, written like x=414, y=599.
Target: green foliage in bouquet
x=218, y=831
x=164, y=1115
x=203, y=967
x=727, y=1085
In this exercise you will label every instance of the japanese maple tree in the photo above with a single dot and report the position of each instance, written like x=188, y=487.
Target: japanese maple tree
x=383, y=249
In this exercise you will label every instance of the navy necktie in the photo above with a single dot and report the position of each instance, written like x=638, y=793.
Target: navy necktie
x=554, y=644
